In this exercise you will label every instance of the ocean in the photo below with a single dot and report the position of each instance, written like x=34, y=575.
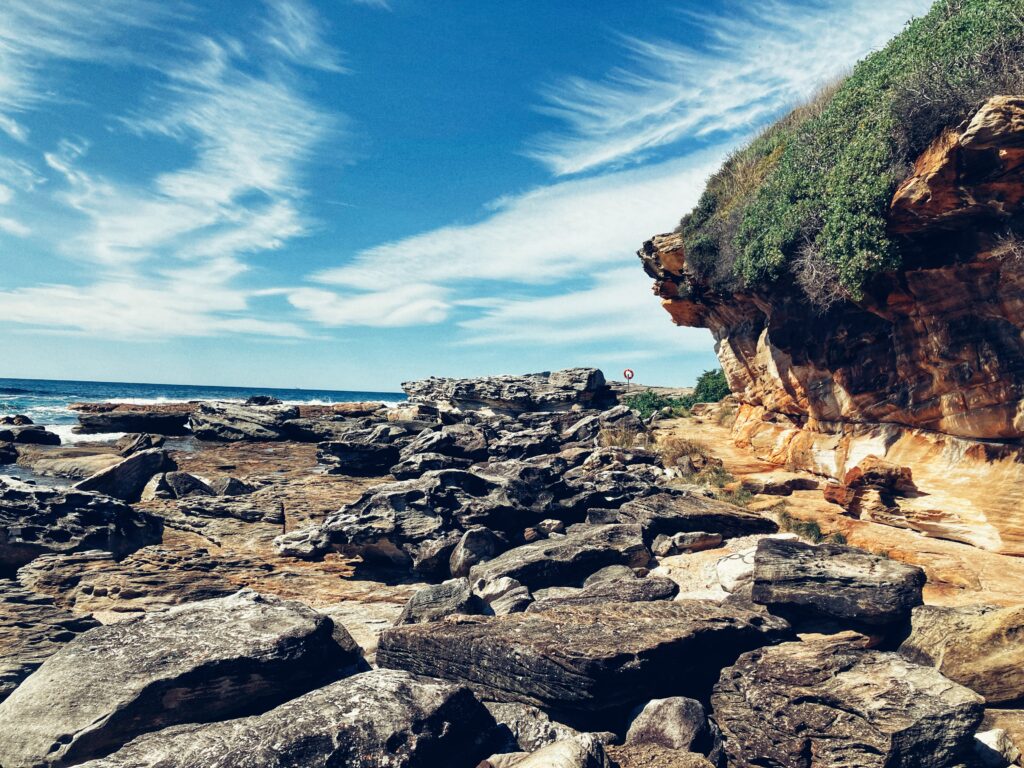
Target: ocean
x=46, y=402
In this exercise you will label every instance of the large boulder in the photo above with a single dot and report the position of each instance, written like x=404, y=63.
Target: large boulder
x=365, y=450
x=127, y=479
x=380, y=719
x=103, y=418
x=583, y=658
x=31, y=629
x=832, y=581
x=676, y=723
x=420, y=463
x=233, y=422
x=666, y=514
x=192, y=663
x=36, y=521
x=828, y=704
x=620, y=589
x=979, y=646
x=566, y=560
x=558, y=391
x=436, y=601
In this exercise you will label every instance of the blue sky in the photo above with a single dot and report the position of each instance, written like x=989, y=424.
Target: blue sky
x=347, y=194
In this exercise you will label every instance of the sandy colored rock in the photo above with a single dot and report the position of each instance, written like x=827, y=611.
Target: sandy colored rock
x=655, y=756
x=981, y=647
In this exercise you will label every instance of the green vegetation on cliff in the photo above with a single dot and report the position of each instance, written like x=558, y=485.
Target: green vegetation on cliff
x=808, y=197
x=710, y=388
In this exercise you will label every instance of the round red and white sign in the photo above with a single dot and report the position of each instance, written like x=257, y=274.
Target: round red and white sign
x=628, y=373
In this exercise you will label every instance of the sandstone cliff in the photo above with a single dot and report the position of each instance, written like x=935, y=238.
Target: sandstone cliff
x=926, y=368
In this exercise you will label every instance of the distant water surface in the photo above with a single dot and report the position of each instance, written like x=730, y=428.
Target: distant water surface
x=46, y=402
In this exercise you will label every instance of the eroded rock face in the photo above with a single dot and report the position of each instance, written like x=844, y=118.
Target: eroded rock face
x=31, y=629
x=981, y=647
x=379, y=719
x=671, y=513
x=556, y=391
x=36, y=521
x=192, y=663
x=822, y=703
x=126, y=479
x=832, y=581
x=935, y=347
x=584, y=658
x=98, y=418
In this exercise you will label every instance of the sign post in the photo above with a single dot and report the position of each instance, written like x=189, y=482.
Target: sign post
x=628, y=373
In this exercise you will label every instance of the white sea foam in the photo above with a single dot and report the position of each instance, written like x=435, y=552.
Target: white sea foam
x=68, y=437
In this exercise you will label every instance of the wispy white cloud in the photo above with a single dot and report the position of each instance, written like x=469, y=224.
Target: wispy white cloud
x=296, y=31
x=402, y=305
x=14, y=227
x=384, y=5
x=760, y=58
x=616, y=305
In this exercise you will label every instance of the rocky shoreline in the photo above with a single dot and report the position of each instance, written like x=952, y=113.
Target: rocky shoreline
x=507, y=571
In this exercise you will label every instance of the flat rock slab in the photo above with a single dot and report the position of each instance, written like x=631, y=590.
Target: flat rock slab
x=981, y=647
x=36, y=521
x=380, y=719
x=831, y=581
x=583, y=658
x=32, y=628
x=668, y=514
x=566, y=560
x=232, y=422
x=192, y=663
x=823, y=703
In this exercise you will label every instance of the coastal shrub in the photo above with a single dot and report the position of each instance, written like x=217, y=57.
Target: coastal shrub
x=649, y=402
x=805, y=529
x=807, y=199
x=675, y=448
x=710, y=388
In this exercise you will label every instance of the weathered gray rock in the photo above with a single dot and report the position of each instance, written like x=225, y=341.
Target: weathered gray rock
x=420, y=463
x=979, y=646
x=247, y=508
x=503, y=596
x=676, y=723
x=668, y=514
x=825, y=703
x=566, y=560
x=138, y=441
x=28, y=434
x=529, y=728
x=195, y=662
x=233, y=422
x=686, y=541
x=475, y=546
x=357, y=457
x=31, y=629
x=36, y=521
x=623, y=590
x=584, y=658
x=524, y=443
x=462, y=441
x=832, y=581
x=126, y=479
x=379, y=719
x=557, y=391
x=581, y=751
x=436, y=601
x=183, y=484
x=230, y=486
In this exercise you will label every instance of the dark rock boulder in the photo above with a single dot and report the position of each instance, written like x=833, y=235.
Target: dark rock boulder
x=138, y=441
x=584, y=658
x=192, y=663
x=183, y=484
x=685, y=541
x=231, y=422
x=379, y=719
x=36, y=521
x=8, y=453
x=558, y=391
x=525, y=443
x=31, y=629
x=421, y=463
x=28, y=434
x=825, y=703
x=566, y=560
x=263, y=400
x=529, y=728
x=17, y=419
x=133, y=420
x=832, y=581
x=362, y=451
x=671, y=513
x=126, y=479
x=436, y=601
x=230, y=486
x=621, y=590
